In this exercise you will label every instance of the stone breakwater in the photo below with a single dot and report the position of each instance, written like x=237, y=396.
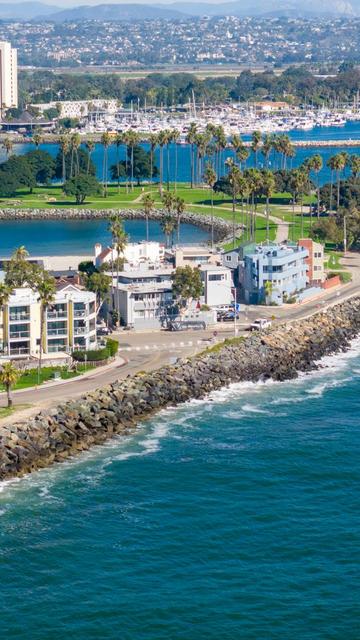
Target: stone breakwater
x=74, y=426
x=222, y=228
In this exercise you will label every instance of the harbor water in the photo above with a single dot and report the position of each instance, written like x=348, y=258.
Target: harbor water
x=232, y=517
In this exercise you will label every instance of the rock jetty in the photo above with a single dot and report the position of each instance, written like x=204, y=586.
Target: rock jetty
x=71, y=427
x=222, y=228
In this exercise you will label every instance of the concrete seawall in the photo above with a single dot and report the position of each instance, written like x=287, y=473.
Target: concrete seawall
x=54, y=435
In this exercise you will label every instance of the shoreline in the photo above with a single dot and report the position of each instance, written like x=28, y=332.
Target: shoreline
x=281, y=354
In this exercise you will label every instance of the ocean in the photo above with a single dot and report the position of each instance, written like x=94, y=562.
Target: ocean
x=232, y=517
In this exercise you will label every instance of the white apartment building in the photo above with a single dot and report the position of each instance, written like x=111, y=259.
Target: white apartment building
x=78, y=108
x=8, y=76
x=218, y=285
x=70, y=323
x=136, y=255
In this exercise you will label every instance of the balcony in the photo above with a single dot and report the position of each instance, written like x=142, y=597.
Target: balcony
x=56, y=348
x=19, y=351
x=80, y=331
x=57, y=332
x=79, y=313
x=19, y=317
x=14, y=335
x=55, y=315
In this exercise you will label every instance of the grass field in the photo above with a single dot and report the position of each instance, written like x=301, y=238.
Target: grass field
x=5, y=412
x=30, y=378
x=197, y=200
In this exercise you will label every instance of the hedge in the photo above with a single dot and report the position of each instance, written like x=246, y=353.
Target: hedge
x=94, y=355
x=112, y=346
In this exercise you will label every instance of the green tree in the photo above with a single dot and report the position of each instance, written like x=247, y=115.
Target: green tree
x=210, y=178
x=148, y=204
x=256, y=144
x=98, y=283
x=119, y=242
x=46, y=289
x=168, y=225
x=106, y=140
x=186, y=285
x=267, y=188
x=9, y=375
x=179, y=208
x=81, y=186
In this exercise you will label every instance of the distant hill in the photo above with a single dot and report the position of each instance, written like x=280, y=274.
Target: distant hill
x=127, y=12
x=270, y=7
x=25, y=10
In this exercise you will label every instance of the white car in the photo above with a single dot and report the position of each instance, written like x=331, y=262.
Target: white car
x=260, y=324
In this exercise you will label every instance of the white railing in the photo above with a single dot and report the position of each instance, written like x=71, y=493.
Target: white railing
x=22, y=317
x=57, y=332
x=19, y=334
x=21, y=351
x=57, y=314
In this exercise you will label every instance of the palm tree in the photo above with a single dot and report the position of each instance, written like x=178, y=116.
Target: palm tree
x=220, y=145
x=8, y=146
x=255, y=145
x=236, y=145
x=5, y=293
x=37, y=139
x=9, y=376
x=267, y=146
x=162, y=141
x=168, y=225
x=75, y=141
x=268, y=188
x=234, y=176
x=20, y=254
x=106, y=140
x=210, y=178
x=254, y=180
x=153, y=141
x=46, y=289
x=148, y=204
x=90, y=146
x=316, y=164
x=175, y=138
x=331, y=164
x=133, y=141
x=179, y=207
x=242, y=155
x=243, y=192
x=354, y=165
x=190, y=139
x=64, y=144
x=339, y=165
x=168, y=201
x=119, y=242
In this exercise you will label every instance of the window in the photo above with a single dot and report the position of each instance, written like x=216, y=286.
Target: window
x=228, y=258
x=216, y=277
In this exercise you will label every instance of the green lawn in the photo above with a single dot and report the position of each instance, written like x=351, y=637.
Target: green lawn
x=30, y=378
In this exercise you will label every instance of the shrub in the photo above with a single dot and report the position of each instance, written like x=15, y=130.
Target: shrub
x=112, y=346
x=93, y=355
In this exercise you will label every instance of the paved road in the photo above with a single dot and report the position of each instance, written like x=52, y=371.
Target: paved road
x=165, y=347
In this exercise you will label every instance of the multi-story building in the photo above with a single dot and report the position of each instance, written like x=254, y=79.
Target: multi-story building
x=315, y=261
x=8, y=76
x=218, y=285
x=70, y=323
x=135, y=255
x=283, y=266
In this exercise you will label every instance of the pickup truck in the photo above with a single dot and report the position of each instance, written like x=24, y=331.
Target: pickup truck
x=260, y=324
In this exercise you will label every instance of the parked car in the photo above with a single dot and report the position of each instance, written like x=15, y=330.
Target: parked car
x=230, y=317
x=260, y=324
x=184, y=325
x=103, y=331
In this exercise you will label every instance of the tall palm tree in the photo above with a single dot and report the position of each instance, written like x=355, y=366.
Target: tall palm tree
x=254, y=180
x=266, y=148
x=5, y=293
x=234, y=176
x=9, y=376
x=268, y=188
x=242, y=155
x=153, y=141
x=148, y=204
x=162, y=141
x=255, y=145
x=119, y=242
x=175, y=138
x=190, y=139
x=354, y=163
x=75, y=141
x=331, y=164
x=168, y=225
x=316, y=164
x=220, y=144
x=210, y=178
x=339, y=165
x=90, y=146
x=133, y=141
x=236, y=144
x=243, y=192
x=106, y=140
x=179, y=208
x=46, y=289
x=64, y=144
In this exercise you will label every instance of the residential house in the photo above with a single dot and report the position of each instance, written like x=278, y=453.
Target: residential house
x=315, y=261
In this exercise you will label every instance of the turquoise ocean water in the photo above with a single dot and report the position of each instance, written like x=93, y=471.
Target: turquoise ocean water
x=234, y=517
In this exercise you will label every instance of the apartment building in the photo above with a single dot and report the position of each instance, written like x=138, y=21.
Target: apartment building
x=8, y=76
x=135, y=255
x=315, y=261
x=70, y=323
x=283, y=266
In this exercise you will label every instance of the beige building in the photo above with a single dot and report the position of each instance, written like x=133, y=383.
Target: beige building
x=70, y=323
x=8, y=76
x=315, y=261
x=193, y=256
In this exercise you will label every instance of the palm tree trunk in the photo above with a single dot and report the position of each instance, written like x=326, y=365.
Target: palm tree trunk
x=132, y=168
x=192, y=166
x=331, y=189
x=161, y=168
x=9, y=398
x=267, y=220
x=212, y=220
x=147, y=228
x=168, y=166
x=176, y=166
x=338, y=190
